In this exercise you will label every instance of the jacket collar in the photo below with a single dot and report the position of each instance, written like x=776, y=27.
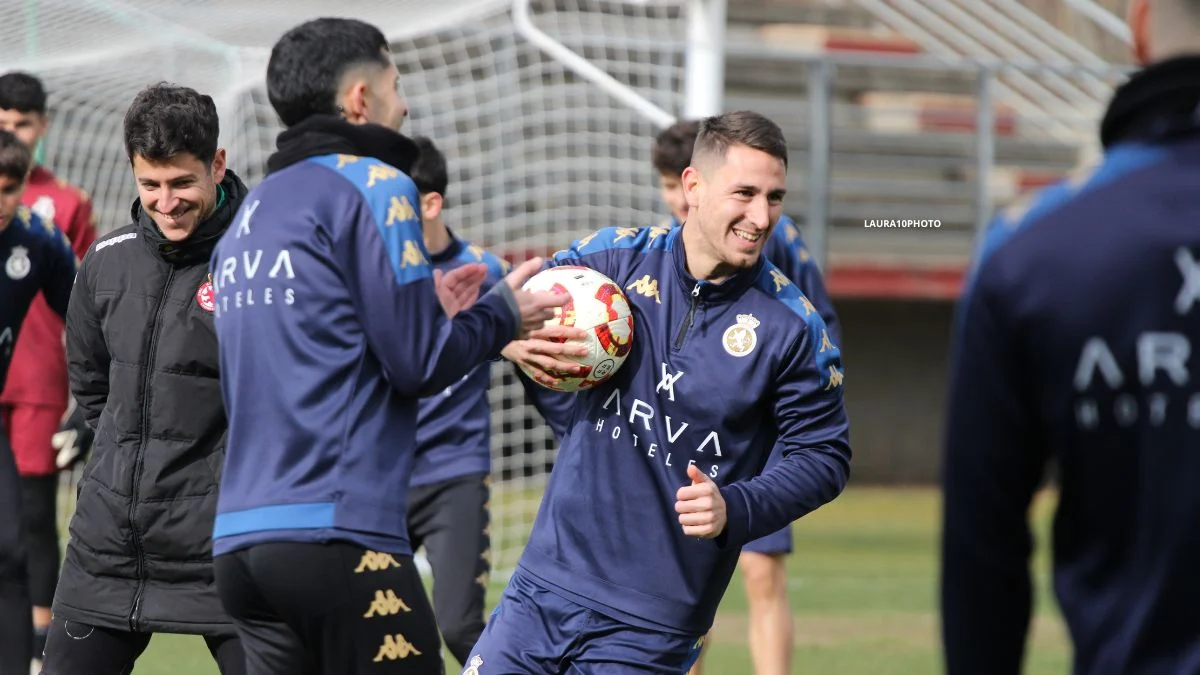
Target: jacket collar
x=198, y=247
x=728, y=290
x=328, y=135
x=452, y=251
x=1159, y=102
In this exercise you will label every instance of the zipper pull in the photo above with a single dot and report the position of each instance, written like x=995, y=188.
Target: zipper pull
x=696, y=290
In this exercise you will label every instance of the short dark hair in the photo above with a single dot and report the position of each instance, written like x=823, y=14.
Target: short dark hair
x=165, y=120
x=673, y=147
x=22, y=92
x=307, y=65
x=429, y=171
x=15, y=158
x=741, y=127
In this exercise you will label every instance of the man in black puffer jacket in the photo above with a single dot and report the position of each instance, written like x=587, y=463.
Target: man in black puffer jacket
x=142, y=357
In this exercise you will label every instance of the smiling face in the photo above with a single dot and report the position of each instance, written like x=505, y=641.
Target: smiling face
x=733, y=202
x=179, y=193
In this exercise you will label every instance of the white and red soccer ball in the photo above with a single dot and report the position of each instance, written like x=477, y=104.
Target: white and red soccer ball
x=597, y=305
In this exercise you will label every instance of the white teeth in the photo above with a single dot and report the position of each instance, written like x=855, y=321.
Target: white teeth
x=746, y=235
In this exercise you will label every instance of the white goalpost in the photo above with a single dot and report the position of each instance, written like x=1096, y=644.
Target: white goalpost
x=545, y=109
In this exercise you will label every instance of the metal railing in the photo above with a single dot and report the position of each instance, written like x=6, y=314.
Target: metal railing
x=982, y=29
x=1103, y=18
x=822, y=72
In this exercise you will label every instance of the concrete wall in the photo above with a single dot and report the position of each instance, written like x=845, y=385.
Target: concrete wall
x=896, y=356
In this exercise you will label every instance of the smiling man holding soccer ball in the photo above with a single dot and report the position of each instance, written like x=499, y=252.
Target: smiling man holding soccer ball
x=660, y=479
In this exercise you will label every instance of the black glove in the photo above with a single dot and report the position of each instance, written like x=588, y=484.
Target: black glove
x=73, y=440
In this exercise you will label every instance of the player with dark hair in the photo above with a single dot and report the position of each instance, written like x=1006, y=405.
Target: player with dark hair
x=37, y=259
x=142, y=357
x=763, y=561
x=332, y=325
x=661, y=478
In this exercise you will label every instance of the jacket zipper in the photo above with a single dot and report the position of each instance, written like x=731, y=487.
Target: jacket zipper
x=691, y=316
x=139, y=554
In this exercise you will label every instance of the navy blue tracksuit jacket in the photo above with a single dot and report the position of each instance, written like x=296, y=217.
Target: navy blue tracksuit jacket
x=716, y=376
x=1076, y=342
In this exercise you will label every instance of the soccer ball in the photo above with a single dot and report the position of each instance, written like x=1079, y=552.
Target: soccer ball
x=598, y=306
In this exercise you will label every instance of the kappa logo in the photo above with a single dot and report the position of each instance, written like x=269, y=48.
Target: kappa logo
x=826, y=343
x=399, y=210
x=395, y=647
x=658, y=231
x=622, y=232
x=205, y=297
x=780, y=279
x=835, y=378
x=647, y=287
x=386, y=604
x=374, y=562
x=377, y=173
x=412, y=255
x=740, y=339
x=18, y=264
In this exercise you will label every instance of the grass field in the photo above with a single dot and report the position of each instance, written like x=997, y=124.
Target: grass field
x=863, y=588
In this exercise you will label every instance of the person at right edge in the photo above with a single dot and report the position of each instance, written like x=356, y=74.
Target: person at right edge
x=1075, y=339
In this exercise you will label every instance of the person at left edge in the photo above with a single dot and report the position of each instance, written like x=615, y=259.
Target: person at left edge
x=36, y=258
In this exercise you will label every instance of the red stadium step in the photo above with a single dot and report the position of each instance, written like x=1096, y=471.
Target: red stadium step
x=802, y=37
x=1009, y=183
x=921, y=112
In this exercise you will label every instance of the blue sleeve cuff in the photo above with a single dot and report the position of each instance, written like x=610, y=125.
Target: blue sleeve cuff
x=737, y=519
x=510, y=301
x=503, y=304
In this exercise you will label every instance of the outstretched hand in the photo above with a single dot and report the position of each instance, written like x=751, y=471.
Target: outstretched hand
x=458, y=289
x=536, y=307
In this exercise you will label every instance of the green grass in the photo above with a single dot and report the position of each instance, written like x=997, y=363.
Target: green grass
x=863, y=588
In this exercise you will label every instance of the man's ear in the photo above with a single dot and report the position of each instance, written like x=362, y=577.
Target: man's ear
x=353, y=101
x=1139, y=29
x=693, y=185
x=431, y=205
x=218, y=166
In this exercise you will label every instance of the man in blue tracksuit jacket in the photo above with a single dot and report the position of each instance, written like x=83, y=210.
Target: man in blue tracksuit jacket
x=35, y=256
x=660, y=481
x=449, y=494
x=331, y=324
x=1076, y=342
x=763, y=561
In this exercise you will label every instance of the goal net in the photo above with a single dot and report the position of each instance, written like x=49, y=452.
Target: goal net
x=537, y=155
